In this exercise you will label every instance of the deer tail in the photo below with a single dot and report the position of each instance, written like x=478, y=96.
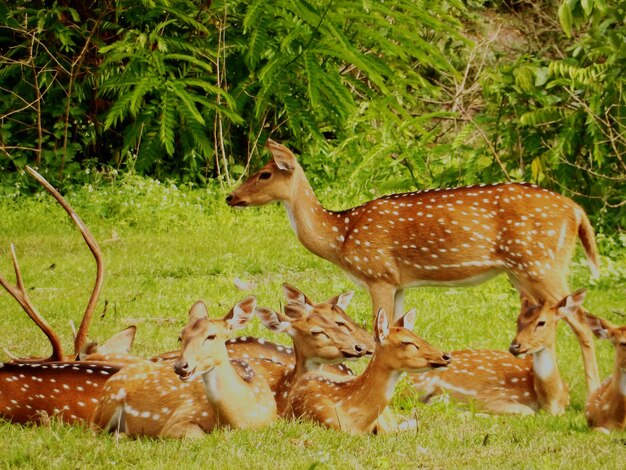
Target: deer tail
x=588, y=240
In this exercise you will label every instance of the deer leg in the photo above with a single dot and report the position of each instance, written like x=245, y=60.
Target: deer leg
x=507, y=408
x=398, y=304
x=186, y=429
x=383, y=296
x=585, y=339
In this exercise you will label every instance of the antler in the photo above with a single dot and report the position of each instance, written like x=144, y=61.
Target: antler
x=19, y=293
x=81, y=336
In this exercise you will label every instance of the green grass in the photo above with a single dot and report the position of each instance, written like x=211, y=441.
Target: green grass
x=165, y=248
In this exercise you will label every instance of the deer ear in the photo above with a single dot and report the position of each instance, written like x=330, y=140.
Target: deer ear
x=407, y=320
x=295, y=311
x=381, y=326
x=241, y=313
x=198, y=310
x=272, y=320
x=570, y=304
x=284, y=159
x=600, y=327
x=296, y=296
x=119, y=343
x=343, y=300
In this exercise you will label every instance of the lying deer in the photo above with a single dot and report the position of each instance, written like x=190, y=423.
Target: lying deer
x=606, y=407
x=442, y=237
x=65, y=386
x=317, y=340
x=150, y=399
x=496, y=382
x=355, y=405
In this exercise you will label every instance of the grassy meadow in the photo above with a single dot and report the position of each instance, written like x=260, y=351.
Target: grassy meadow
x=164, y=248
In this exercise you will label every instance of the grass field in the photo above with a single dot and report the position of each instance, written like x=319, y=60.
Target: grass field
x=166, y=248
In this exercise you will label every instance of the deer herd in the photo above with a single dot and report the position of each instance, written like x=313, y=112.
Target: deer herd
x=443, y=237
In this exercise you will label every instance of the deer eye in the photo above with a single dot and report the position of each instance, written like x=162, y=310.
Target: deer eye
x=409, y=343
x=318, y=332
x=265, y=175
x=210, y=338
x=541, y=323
x=343, y=325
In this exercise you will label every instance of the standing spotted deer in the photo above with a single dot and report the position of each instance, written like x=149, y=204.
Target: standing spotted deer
x=606, y=407
x=497, y=382
x=443, y=237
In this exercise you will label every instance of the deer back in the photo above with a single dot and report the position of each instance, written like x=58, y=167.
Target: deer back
x=36, y=393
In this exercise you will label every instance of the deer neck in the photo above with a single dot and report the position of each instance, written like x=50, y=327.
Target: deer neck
x=303, y=365
x=367, y=395
x=552, y=393
x=617, y=400
x=229, y=395
x=318, y=229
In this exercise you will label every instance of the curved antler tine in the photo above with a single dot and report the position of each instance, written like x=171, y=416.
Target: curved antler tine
x=81, y=337
x=18, y=292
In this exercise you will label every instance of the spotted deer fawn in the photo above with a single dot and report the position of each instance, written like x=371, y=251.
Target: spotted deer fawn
x=151, y=400
x=354, y=405
x=64, y=386
x=496, y=382
x=606, y=407
x=317, y=340
x=442, y=237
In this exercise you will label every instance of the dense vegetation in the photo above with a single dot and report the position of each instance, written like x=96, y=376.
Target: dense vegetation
x=383, y=95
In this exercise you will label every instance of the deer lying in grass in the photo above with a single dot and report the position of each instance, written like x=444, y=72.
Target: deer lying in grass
x=496, y=382
x=317, y=340
x=150, y=399
x=63, y=386
x=606, y=407
x=354, y=405
x=441, y=237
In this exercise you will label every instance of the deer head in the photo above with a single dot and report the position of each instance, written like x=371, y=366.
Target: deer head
x=402, y=349
x=333, y=309
x=536, y=324
x=274, y=182
x=314, y=335
x=604, y=329
x=203, y=340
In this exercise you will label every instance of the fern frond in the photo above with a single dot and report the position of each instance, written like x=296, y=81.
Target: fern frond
x=186, y=99
x=167, y=122
x=254, y=14
x=547, y=115
x=259, y=37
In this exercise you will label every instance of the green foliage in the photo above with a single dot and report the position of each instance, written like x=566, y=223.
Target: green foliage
x=173, y=88
x=561, y=122
x=370, y=94
x=160, y=76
